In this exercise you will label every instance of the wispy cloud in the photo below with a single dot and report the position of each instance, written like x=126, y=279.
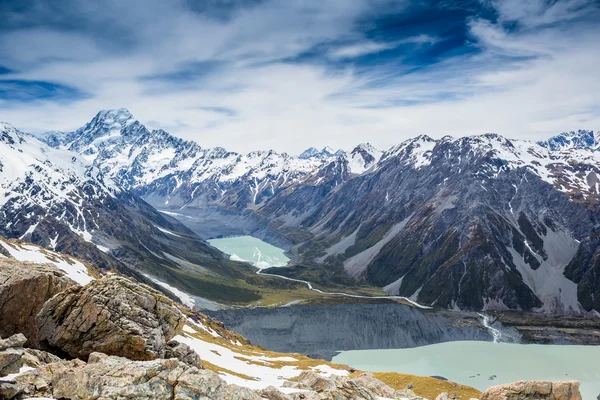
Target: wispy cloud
x=268, y=74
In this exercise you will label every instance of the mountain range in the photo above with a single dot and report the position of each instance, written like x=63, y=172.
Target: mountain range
x=480, y=222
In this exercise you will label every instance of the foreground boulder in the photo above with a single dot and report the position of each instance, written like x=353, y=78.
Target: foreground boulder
x=24, y=288
x=362, y=387
x=108, y=377
x=112, y=315
x=538, y=390
x=11, y=354
x=183, y=352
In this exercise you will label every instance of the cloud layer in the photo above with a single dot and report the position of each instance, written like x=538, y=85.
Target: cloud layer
x=291, y=74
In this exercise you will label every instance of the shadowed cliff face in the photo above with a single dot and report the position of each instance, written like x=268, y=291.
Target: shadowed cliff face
x=322, y=331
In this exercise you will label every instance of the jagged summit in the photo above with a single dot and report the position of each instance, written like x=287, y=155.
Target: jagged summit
x=325, y=152
x=580, y=139
x=10, y=134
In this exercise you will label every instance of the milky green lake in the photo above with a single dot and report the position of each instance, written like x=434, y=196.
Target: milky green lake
x=473, y=363
x=248, y=248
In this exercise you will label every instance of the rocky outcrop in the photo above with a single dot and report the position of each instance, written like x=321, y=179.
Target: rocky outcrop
x=183, y=352
x=36, y=358
x=362, y=387
x=112, y=315
x=11, y=353
x=523, y=390
x=109, y=377
x=24, y=288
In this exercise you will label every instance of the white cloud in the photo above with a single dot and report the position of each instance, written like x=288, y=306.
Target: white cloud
x=551, y=87
x=368, y=47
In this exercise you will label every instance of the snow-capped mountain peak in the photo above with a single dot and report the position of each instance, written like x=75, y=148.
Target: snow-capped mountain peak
x=9, y=134
x=325, y=152
x=363, y=157
x=105, y=128
x=580, y=139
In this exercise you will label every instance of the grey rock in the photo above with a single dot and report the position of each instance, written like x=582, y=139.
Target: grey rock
x=114, y=315
x=362, y=387
x=11, y=354
x=36, y=358
x=539, y=390
x=8, y=390
x=183, y=352
x=24, y=288
x=11, y=361
x=17, y=340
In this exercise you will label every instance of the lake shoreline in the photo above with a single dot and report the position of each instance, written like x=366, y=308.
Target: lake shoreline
x=484, y=364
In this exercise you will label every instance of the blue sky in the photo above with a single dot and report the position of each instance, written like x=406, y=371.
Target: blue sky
x=296, y=73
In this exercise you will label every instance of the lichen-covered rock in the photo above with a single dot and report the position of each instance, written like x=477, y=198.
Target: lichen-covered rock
x=378, y=388
x=203, y=384
x=36, y=358
x=183, y=352
x=539, y=390
x=112, y=315
x=109, y=377
x=8, y=390
x=11, y=360
x=362, y=387
x=106, y=377
x=39, y=382
x=24, y=288
x=17, y=340
x=11, y=354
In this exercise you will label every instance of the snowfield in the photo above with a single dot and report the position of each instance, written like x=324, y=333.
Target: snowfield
x=74, y=268
x=243, y=364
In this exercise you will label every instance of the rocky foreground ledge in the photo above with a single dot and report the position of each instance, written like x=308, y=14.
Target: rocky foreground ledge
x=117, y=339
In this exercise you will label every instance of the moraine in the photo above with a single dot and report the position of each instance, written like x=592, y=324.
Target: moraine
x=483, y=364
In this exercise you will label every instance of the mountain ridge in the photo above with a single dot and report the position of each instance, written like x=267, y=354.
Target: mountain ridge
x=493, y=201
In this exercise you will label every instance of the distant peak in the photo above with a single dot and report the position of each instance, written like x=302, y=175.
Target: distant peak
x=10, y=134
x=368, y=147
x=309, y=153
x=313, y=152
x=118, y=115
x=115, y=111
x=580, y=139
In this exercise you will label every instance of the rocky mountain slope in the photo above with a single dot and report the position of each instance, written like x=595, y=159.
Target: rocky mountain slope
x=57, y=199
x=473, y=223
x=481, y=222
x=170, y=172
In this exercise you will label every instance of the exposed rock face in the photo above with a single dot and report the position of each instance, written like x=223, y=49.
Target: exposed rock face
x=36, y=358
x=523, y=390
x=24, y=288
x=113, y=315
x=11, y=353
x=109, y=377
x=364, y=386
x=584, y=269
x=183, y=352
x=17, y=340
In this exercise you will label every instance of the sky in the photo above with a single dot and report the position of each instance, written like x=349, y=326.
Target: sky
x=289, y=74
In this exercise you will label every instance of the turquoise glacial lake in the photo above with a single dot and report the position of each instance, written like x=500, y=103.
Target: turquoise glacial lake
x=484, y=364
x=253, y=250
